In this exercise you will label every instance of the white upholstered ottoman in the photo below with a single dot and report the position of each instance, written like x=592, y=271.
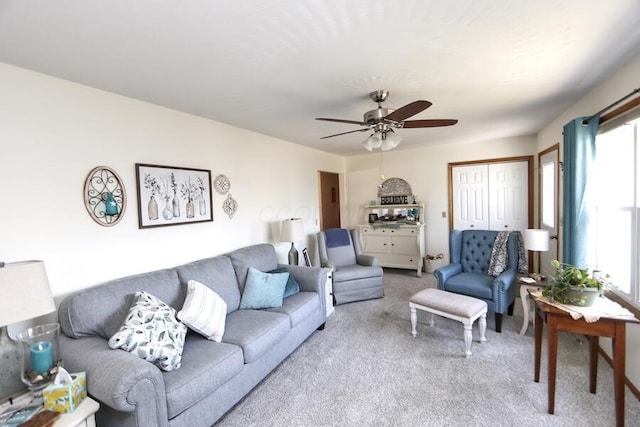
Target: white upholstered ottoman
x=452, y=306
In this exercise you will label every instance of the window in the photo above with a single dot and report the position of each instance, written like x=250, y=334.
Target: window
x=615, y=217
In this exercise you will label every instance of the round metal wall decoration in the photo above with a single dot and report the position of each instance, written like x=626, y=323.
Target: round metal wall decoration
x=222, y=184
x=104, y=196
x=230, y=206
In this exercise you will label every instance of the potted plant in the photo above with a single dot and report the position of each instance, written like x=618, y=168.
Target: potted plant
x=575, y=286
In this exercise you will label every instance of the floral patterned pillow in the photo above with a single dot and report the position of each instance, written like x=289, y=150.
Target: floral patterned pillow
x=151, y=332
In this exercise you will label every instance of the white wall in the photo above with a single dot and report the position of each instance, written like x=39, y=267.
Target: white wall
x=53, y=132
x=426, y=170
x=614, y=88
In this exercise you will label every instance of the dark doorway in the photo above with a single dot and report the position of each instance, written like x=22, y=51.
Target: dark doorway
x=329, y=200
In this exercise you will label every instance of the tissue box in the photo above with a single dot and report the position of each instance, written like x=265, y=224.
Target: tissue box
x=66, y=397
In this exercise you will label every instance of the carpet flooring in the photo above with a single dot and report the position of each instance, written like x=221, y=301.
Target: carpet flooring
x=365, y=369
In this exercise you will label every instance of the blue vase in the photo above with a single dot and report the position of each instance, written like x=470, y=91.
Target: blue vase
x=110, y=205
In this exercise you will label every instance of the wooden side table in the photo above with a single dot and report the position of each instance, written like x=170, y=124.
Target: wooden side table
x=559, y=320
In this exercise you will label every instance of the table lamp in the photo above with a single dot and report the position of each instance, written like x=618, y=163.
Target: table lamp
x=25, y=294
x=292, y=229
x=536, y=240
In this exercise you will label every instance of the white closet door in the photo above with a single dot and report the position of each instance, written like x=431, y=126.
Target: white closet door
x=470, y=197
x=508, y=196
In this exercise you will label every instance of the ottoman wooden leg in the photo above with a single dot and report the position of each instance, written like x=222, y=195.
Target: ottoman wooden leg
x=482, y=324
x=468, y=337
x=414, y=320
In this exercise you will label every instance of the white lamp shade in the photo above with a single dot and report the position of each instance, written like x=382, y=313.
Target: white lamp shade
x=292, y=229
x=536, y=240
x=24, y=292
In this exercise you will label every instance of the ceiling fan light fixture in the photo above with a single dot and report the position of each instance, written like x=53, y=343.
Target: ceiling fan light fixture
x=374, y=141
x=391, y=141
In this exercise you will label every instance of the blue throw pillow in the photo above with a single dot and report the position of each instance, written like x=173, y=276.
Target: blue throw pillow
x=263, y=290
x=292, y=287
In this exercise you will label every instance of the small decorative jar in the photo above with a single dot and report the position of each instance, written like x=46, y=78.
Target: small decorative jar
x=40, y=355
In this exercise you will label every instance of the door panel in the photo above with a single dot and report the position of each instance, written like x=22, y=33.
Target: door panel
x=404, y=245
x=509, y=198
x=470, y=197
x=549, y=207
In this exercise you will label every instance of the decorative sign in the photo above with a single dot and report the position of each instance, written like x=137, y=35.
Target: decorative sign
x=394, y=200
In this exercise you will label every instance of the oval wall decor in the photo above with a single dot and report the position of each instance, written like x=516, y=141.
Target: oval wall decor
x=104, y=196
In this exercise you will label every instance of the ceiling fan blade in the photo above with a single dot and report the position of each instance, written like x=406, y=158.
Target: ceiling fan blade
x=408, y=110
x=344, y=133
x=429, y=123
x=353, y=122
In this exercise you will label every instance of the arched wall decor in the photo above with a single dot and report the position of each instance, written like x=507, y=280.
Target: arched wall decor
x=104, y=196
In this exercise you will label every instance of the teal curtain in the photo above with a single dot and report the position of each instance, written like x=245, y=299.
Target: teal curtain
x=579, y=152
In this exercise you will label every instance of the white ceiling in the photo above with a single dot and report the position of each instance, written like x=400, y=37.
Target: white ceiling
x=501, y=67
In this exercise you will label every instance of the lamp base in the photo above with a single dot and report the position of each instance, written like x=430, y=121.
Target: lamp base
x=293, y=255
x=10, y=366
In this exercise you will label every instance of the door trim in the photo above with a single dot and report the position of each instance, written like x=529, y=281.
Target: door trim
x=555, y=147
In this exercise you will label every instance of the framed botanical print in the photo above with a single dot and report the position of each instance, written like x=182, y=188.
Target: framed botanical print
x=171, y=195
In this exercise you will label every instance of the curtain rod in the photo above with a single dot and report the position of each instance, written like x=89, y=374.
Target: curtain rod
x=629, y=95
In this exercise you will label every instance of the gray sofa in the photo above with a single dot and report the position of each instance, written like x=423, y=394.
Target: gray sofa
x=213, y=376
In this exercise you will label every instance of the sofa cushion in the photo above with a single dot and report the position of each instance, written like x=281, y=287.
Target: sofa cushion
x=355, y=271
x=293, y=287
x=476, y=285
x=100, y=310
x=255, y=331
x=261, y=257
x=299, y=307
x=216, y=273
x=263, y=290
x=206, y=365
x=151, y=332
x=204, y=311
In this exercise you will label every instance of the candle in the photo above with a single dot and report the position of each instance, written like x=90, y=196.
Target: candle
x=41, y=357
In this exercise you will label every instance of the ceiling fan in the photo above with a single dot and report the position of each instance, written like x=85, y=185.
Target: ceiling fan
x=383, y=120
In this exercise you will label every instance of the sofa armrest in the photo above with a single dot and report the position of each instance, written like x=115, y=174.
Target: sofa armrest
x=118, y=378
x=443, y=274
x=310, y=279
x=328, y=264
x=367, y=260
x=504, y=280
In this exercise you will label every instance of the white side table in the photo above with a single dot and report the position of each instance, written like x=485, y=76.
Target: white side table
x=83, y=416
x=328, y=289
x=524, y=296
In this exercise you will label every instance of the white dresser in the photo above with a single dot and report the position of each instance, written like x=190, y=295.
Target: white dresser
x=401, y=247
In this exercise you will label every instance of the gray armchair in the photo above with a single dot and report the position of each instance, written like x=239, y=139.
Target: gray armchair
x=470, y=256
x=356, y=276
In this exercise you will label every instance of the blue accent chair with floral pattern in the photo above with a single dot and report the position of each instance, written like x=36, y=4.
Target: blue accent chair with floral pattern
x=467, y=274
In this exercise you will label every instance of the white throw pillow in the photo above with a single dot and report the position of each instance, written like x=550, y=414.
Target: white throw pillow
x=204, y=311
x=151, y=332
